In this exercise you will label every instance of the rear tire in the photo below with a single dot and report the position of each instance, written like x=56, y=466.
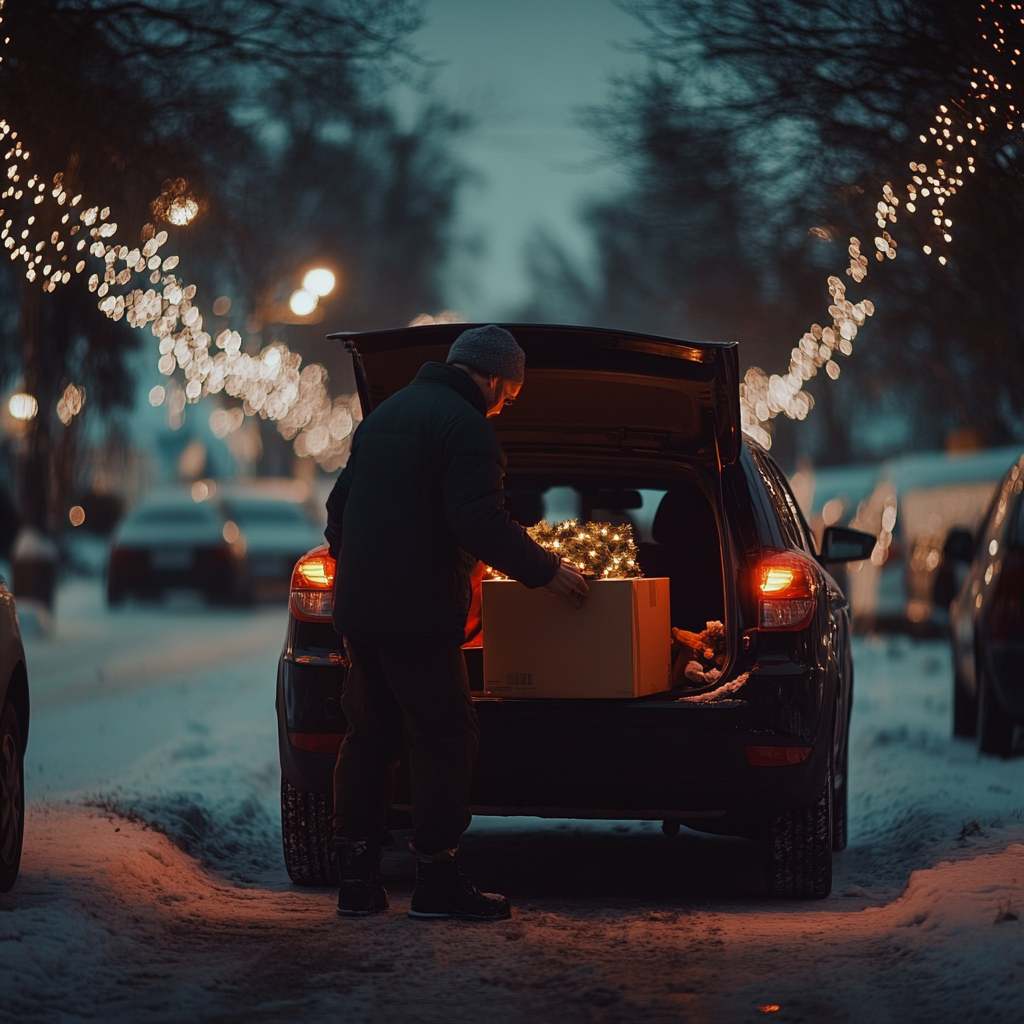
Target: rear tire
x=798, y=848
x=307, y=836
x=995, y=726
x=965, y=709
x=12, y=797
x=840, y=801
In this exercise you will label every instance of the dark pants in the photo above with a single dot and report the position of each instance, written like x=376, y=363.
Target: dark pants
x=397, y=697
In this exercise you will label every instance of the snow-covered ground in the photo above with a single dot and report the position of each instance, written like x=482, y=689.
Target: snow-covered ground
x=153, y=888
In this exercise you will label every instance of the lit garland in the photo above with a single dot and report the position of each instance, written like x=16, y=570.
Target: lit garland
x=598, y=550
x=270, y=384
x=762, y=398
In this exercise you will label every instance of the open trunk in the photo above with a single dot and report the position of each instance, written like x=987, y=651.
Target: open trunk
x=610, y=426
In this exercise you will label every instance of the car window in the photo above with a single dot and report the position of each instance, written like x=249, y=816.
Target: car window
x=784, y=503
x=174, y=515
x=267, y=513
x=1003, y=505
x=1016, y=533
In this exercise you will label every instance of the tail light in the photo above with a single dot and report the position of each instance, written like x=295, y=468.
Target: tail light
x=312, y=589
x=1006, y=619
x=786, y=586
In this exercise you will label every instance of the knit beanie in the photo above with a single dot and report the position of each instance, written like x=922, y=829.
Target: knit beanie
x=491, y=350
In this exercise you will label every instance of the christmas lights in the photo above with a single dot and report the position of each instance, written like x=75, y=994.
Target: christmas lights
x=762, y=398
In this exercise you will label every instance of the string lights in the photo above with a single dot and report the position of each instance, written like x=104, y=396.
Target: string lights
x=954, y=133
x=598, y=550
x=271, y=383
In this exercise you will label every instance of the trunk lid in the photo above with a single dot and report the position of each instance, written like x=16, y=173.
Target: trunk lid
x=587, y=389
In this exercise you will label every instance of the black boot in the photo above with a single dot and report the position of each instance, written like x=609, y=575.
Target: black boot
x=361, y=892
x=442, y=890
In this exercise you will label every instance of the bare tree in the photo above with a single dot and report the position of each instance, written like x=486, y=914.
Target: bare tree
x=272, y=111
x=758, y=143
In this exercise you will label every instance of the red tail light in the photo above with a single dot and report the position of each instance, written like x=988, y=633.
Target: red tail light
x=312, y=590
x=776, y=757
x=786, y=585
x=1006, y=619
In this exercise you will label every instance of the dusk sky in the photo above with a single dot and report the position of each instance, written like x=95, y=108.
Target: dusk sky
x=525, y=68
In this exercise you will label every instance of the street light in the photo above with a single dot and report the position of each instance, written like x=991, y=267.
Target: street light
x=23, y=406
x=303, y=302
x=319, y=281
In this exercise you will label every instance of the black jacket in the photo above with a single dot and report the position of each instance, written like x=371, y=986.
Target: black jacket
x=423, y=486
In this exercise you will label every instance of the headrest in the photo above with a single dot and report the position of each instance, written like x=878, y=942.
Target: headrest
x=684, y=514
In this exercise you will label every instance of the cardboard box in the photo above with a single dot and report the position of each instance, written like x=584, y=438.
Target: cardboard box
x=619, y=644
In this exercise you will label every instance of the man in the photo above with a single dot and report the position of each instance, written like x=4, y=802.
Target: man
x=419, y=502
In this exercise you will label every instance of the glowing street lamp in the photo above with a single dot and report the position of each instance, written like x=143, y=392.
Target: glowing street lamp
x=319, y=281
x=23, y=406
x=303, y=302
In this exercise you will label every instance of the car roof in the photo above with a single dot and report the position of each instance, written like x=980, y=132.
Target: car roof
x=168, y=497
x=282, y=489
x=933, y=469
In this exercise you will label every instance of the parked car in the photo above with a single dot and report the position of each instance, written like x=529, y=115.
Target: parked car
x=14, y=708
x=180, y=538
x=611, y=412
x=278, y=529
x=916, y=501
x=987, y=620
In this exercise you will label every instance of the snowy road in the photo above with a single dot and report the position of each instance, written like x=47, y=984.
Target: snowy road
x=166, y=716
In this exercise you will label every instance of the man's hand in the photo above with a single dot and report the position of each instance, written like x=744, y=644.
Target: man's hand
x=568, y=583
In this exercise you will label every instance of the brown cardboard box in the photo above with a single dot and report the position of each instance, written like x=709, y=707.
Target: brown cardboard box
x=619, y=644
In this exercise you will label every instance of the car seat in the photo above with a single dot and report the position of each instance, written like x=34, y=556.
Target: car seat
x=687, y=549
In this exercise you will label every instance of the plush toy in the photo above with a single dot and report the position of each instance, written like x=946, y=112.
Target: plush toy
x=698, y=658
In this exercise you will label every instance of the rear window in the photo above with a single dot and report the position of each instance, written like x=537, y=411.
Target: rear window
x=174, y=515
x=783, y=502
x=267, y=513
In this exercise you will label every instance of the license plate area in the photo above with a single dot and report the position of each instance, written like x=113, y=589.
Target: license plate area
x=172, y=559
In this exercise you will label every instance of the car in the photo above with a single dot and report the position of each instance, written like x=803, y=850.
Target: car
x=987, y=622
x=179, y=538
x=645, y=428
x=917, y=500
x=14, y=716
x=277, y=527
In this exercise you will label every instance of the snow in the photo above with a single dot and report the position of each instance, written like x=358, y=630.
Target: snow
x=153, y=888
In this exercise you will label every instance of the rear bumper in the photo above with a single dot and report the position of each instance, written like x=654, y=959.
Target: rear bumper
x=211, y=570
x=604, y=759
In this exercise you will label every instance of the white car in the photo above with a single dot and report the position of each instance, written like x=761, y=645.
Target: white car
x=278, y=528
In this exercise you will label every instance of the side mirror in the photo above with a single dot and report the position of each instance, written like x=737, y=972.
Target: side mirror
x=959, y=546
x=841, y=544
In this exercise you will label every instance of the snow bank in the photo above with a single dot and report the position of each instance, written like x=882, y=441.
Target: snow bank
x=182, y=910
x=112, y=921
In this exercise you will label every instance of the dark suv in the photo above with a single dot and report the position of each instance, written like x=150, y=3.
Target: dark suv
x=987, y=621
x=625, y=427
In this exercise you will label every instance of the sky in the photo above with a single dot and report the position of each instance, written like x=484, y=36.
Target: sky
x=524, y=68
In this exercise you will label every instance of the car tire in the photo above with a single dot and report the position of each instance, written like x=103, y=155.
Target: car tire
x=995, y=726
x=115, y=595
x=12, y=796
x=965, y=709
x=307, y=836
x=798, y=848
x=840, y=801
